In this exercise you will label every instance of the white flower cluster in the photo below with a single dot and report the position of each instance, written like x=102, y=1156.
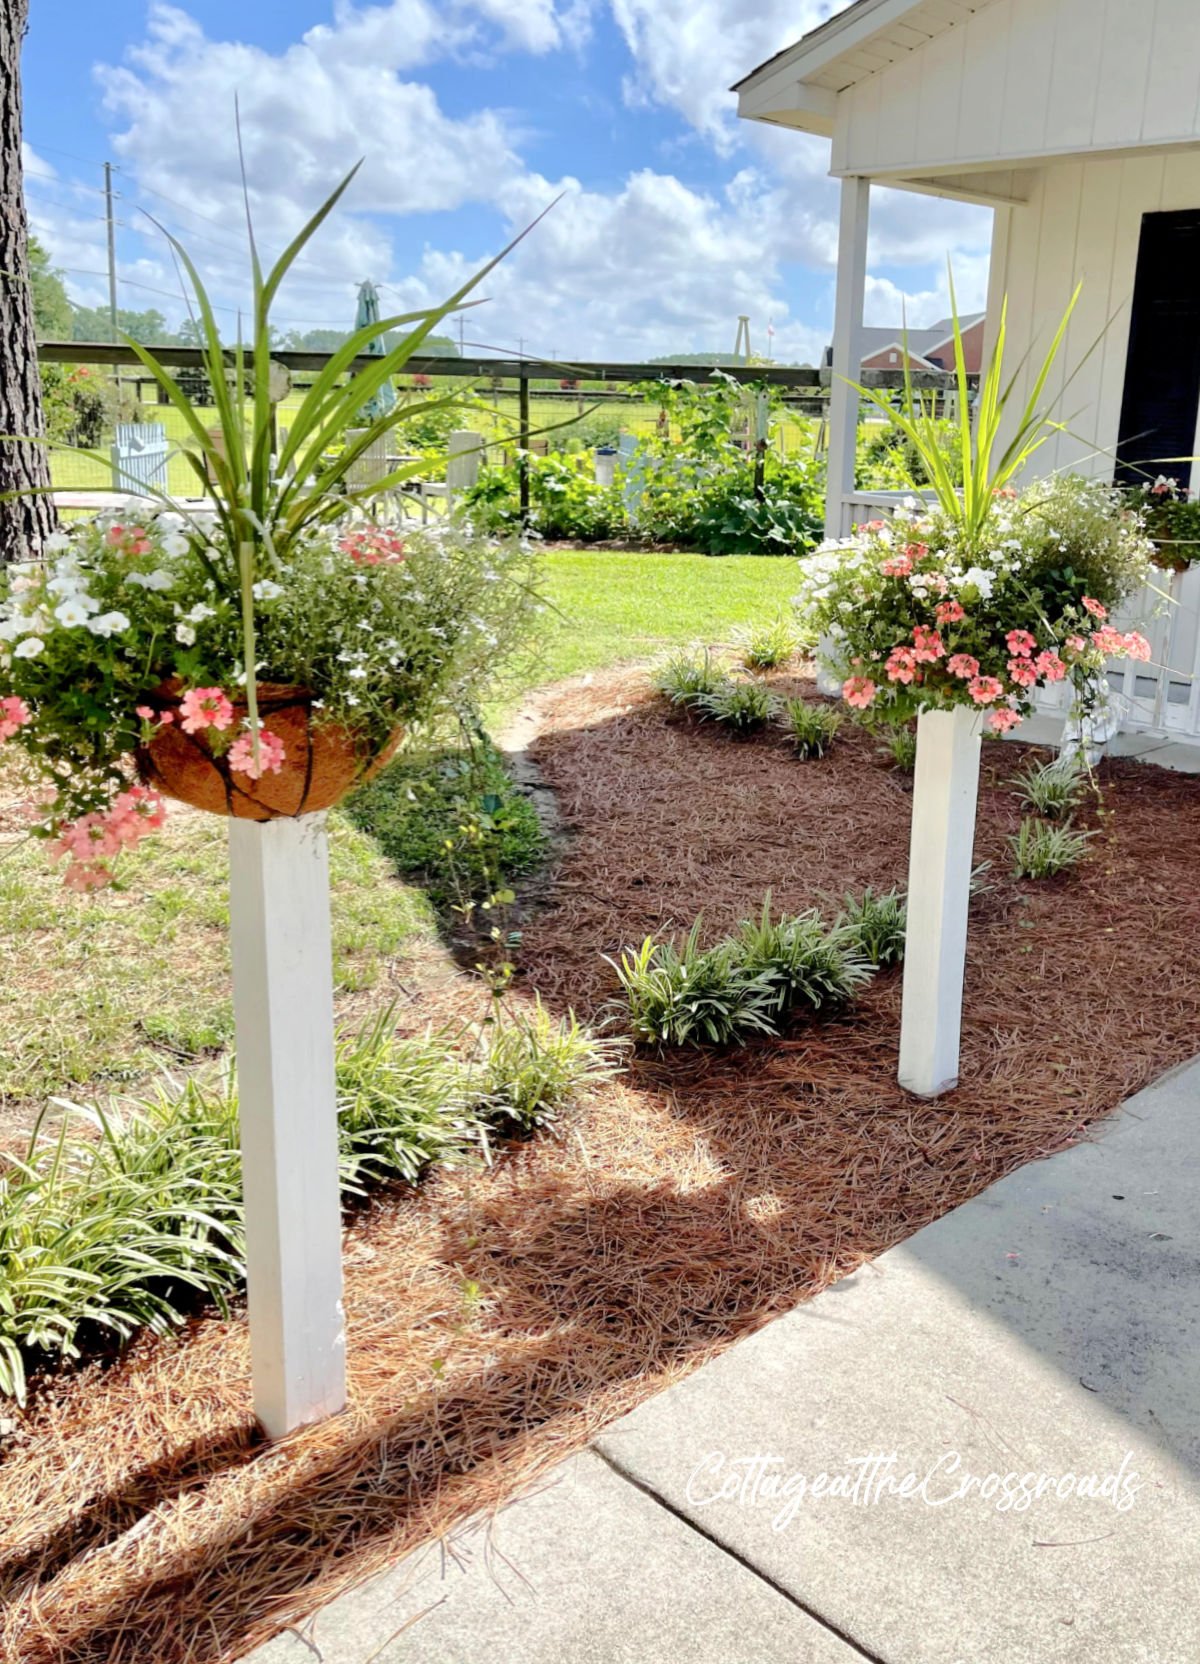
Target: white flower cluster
x=44, y=596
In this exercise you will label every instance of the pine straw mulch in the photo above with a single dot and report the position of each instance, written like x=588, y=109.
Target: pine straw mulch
x=498, y=1320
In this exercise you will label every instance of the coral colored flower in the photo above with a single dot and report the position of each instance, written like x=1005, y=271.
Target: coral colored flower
x=270, y=754
x=1136, y=646
x=873, y=526
x=985, y=690
x=927, y=645
x=204, y=708
x=962, y=664
x=161, y=719
x=950, y=612
x=1002, y=721
x=901, y=665
x=859, y=691
x=1096, y=608
x=85, y=876
x=1076, y=644
x=14, y=714
x=373, y=546
x=135, y=813
x=1049, y=666
x=1020, y=644
x=897, y=566
x=130, y=540
x=1023, y=672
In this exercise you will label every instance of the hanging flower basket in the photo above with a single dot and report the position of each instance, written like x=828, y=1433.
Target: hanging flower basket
x=313, y=766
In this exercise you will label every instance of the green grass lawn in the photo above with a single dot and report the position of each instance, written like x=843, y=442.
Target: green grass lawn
x=610, y=606
x=96, y=994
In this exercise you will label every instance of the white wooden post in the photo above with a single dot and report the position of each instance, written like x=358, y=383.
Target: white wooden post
x=847, y=349
x=464, y=453
x=283, y=1008
x=945, y=791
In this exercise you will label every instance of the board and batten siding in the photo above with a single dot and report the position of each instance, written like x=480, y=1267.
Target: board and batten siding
x=1026, y=79
x=1082, y=224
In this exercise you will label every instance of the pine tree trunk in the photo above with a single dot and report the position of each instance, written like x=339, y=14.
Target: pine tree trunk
x=24, y=522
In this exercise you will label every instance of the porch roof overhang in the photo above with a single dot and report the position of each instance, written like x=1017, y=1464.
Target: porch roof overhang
x=799, y=86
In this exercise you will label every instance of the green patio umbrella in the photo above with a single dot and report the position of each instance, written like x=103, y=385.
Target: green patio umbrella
x=368, y=313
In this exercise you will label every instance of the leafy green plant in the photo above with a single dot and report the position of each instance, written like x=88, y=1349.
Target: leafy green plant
x=806, y=965
x=564, y=500
x=876, y=924
x=1040, y=849
x=1052, y=789
x=688, y=677
x=812, y=727
x=743, y=707
x=768, y=645
x=691, y=995
x=900, y=745
x=1171, y=517
x=127, y=1219
x=533, y=1065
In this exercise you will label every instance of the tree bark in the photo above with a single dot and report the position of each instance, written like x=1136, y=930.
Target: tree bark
x=26, y=520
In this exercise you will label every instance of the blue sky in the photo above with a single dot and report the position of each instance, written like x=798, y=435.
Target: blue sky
x=472, y=115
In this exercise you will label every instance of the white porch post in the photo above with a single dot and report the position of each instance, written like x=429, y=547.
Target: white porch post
x=945, y=790
x=283, y=1007
x=847, y=348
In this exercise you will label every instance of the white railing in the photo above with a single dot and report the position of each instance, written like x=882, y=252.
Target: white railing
x=1160, y=696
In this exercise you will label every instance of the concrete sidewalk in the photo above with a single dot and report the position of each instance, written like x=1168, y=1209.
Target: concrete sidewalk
x=1050, y=1328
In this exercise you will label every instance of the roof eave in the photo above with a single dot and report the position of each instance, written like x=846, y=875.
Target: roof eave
x=819, y=48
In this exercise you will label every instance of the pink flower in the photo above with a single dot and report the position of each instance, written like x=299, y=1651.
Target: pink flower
x=1020, y=643
x=1108, y=641
x=130, y=540
x=985, y=690
x=1096, y=608
x=916, y=551
x=85, y=876
x=205, y=708
x=901, y=665
x=14, y=714
x=950, y=612
x=897, y=566
x=873, y=526
x=373, y=546
x=1049, y=666
x=1076, y=644
x=927, y=645
x=160, y=719
x=1136, y=646
x=859, y=691
x=135, y=813
x=962, y=664
x=270, y=754
x=1002, y=721
x=1023, y=672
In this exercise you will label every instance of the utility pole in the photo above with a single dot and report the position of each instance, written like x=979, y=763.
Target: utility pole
x=112, y=292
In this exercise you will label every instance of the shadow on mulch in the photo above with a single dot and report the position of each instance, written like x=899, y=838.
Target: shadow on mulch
x=496, y=1321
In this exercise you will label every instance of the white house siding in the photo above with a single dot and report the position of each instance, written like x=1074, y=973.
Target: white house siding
x=1081, y=224
x=1027, y=78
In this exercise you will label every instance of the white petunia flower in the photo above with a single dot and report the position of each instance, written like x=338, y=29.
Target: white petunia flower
x=175, y=545
x=186, y=634
x=56, y=543
x=71, y=613
x=29, y=648
x=199, y=613
x=266, y=590
x=108, y=624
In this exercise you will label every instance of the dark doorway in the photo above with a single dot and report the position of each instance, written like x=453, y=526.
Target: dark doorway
x=1162, y=371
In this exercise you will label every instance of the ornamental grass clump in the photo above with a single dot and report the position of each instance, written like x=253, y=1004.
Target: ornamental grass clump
x=259, y=655
x=900, y=748
x=1052, y=789
x=690, y=995
x=742, y=707
x=812, y=728
x=876, y=925
x=767, y=646
x=1040, y=849
x=808, y=967
x=534, y=1064
x=688, y=677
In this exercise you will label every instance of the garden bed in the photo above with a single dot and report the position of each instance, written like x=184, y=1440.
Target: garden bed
x=498, y=1319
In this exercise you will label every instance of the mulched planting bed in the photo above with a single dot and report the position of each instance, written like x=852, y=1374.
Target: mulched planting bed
x=497, y=1319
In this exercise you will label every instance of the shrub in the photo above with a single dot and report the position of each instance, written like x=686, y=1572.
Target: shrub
x=813, y=727
x=688, y=677
x=804, y=964
x=688, y=995
x=401, y=1105
x=767, y=646
x=900, y=745
x=1039, y=850
x=1052, y=789
x=1171, y=517
x=564, y=500
x=743, y=707
x=876, y=925
x=533, y=1065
